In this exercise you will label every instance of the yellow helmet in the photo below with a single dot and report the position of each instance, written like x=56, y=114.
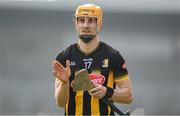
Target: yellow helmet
x=90, y=10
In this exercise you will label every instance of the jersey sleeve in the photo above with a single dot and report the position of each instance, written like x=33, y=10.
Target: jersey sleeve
x=119, y=68
x=62, y=56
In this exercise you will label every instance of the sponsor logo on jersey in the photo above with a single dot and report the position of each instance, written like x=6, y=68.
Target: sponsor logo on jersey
x=72, y=63
x=97, y=79
x=87, y=62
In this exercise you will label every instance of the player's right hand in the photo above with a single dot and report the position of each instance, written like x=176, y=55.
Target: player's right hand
x=61, y=72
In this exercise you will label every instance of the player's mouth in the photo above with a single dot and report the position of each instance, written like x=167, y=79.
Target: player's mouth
x=86, y=32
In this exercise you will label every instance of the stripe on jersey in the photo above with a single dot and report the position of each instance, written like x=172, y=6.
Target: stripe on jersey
x=126, y=77
x=79, y=102
x=94, y=101
x=95, y=106
x=86, y=103
x=110, y=83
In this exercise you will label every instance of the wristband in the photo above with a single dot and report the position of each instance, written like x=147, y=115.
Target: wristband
x=109, y=92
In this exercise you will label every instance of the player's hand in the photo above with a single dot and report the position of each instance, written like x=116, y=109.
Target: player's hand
x=61, y=72
x=98, y=92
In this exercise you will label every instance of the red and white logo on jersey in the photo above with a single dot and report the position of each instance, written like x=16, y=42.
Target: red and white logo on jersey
x=97, y=79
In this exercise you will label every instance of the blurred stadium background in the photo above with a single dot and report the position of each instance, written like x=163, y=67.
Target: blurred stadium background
x=33, y=32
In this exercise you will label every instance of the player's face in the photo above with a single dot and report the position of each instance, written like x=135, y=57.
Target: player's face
x=87, y=25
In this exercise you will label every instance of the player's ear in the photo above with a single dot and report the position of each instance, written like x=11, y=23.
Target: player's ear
x=75, y=22
x=74, y=18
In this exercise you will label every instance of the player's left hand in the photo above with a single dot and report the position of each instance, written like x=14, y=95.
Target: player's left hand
x=98, y=92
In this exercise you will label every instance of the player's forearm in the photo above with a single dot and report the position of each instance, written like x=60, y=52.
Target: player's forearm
x=62, y=94
x=123, y=95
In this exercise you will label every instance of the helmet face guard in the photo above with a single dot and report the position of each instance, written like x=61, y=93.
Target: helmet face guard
x=89, y=11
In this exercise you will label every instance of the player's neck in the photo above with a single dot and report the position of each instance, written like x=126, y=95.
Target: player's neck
x=88, y=47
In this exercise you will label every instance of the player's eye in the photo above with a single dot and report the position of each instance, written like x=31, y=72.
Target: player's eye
x=81, y=20
x=90, y=20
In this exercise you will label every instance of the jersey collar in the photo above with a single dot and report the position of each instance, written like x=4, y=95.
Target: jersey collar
x=89, y=52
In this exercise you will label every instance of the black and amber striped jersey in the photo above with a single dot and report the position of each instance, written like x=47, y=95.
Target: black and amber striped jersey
x=103, y=60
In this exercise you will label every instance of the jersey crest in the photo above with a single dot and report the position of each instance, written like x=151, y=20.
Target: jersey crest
x=105, y=63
